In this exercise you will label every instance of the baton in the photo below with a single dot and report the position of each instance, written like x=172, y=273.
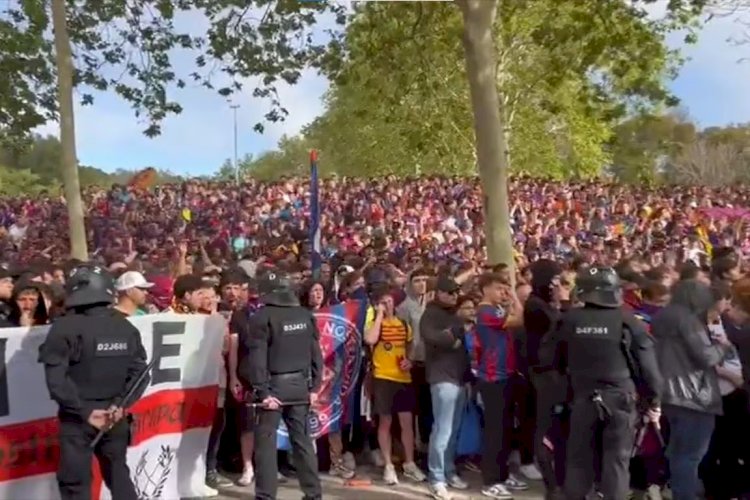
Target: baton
x=285, y=403
x=639, y=437
x=659, y=435
x=124, y=401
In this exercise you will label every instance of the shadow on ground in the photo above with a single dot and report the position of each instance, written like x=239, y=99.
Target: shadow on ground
x=334, y=489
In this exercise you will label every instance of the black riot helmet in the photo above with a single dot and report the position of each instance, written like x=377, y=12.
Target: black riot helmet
x=276, y=289
x=89, y=285
x=600, y=286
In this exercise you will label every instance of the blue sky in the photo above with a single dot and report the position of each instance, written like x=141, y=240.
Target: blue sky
x=712, y=86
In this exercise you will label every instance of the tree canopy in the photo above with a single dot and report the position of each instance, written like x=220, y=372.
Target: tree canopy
x=50, y=48
x=567, y=72
x=129, y=48
x=531, y=86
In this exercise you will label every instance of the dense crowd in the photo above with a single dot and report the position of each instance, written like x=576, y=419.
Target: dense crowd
x=438, y=220
x=415, y=249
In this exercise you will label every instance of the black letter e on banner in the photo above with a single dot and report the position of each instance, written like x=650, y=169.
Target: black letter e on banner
x=161, y=350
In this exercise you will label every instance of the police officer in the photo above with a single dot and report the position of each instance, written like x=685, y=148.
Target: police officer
x=605, y=351
x=91, y=357
x=280, y=359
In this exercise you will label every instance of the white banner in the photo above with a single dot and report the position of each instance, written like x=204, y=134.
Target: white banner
x=172, y=419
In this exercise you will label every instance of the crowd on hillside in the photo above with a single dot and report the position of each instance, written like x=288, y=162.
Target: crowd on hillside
x=196, y=247
x=436, y=220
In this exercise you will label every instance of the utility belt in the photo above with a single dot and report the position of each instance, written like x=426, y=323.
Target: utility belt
x=86, y=404
x=600, y=398
x=75, y=418
x=293, y=386
x=539, y=370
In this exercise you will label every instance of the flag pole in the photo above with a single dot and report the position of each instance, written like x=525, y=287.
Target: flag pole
x=315, y=215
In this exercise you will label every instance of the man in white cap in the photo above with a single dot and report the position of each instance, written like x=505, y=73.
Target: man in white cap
x=132, y=291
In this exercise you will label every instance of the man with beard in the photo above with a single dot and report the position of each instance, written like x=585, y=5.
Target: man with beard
x=230, y=286
x=541, y=313
x=132, y=292
x=447, y=372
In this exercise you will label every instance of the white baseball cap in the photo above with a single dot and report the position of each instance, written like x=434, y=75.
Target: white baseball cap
x=131, y=279
x=249, y=267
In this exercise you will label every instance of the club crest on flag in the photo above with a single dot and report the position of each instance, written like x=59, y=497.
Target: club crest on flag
x=149, y=478
x=340, y=328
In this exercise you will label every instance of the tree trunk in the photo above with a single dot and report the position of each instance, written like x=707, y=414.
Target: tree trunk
x=71, y=185
x=491, y=146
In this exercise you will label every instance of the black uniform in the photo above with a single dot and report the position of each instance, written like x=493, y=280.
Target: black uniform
x=280, y=357
x=91, y=356
x=540, y=317
x=603, y=348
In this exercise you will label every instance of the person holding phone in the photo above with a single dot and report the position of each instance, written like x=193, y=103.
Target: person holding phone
x=390, y=337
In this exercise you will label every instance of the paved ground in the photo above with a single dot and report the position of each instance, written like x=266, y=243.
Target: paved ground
x=334, y=489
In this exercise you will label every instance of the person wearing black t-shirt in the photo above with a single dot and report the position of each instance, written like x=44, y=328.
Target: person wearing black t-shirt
x=238, y=325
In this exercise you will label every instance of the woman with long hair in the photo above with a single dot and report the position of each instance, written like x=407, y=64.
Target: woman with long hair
x=28, y=304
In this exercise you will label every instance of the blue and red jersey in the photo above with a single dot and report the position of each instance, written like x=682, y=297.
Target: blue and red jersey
x=491, y=346
x=632, y=299
x=645, y=313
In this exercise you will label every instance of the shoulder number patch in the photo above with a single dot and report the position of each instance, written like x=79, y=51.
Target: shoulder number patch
x=294, y=327
x=111, y=348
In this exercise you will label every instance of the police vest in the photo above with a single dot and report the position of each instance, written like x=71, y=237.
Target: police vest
x=291, y=335
x=106, y=349
x=595, y=349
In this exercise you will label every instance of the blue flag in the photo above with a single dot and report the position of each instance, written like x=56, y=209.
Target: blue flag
x=315, y=214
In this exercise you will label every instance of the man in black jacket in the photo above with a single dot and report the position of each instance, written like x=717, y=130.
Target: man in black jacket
x=447, y=371
x=688, y=356
x=540, y=315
